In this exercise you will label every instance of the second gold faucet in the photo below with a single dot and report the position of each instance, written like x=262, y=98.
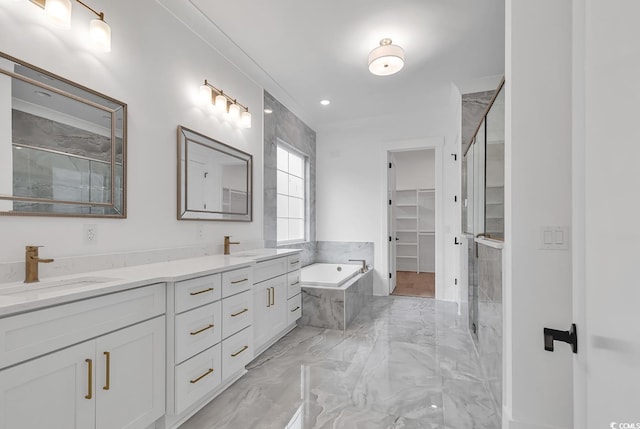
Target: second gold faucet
x=227, y=243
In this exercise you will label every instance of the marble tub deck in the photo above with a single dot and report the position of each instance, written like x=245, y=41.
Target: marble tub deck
x=403, y=363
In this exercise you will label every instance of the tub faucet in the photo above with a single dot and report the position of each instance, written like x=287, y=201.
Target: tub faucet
x=31, y=261
x=364, y=268
x=227, y=243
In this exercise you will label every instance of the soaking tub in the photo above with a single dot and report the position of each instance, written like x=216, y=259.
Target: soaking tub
x=334, y=294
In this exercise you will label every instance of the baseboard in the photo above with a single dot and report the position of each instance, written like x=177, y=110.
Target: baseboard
x=509, y=423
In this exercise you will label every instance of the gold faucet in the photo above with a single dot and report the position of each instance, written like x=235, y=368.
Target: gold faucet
x=227, y=243
x=31, y=261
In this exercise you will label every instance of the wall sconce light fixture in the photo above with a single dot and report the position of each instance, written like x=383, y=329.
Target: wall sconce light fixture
x=225, y=105
x=60, y=13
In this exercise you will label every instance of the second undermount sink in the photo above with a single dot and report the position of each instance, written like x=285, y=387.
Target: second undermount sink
x=54, y=286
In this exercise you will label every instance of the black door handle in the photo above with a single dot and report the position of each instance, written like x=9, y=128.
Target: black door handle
x=569, y=337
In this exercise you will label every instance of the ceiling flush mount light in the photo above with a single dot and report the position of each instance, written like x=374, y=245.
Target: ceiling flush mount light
x=225, y=105
x=386, y=59
x=60, y=13
x=325, y=102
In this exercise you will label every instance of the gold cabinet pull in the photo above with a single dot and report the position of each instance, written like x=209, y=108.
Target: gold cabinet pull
x=239, y=351
x=201, y=291
x=240, y=312
x=239, y=281
x=295, y=262
x=107, y=357
x=199, y=331
x=89, y=362
x=295, y=309
x=297, y=282
x=273, y=296
x=268, y=297
x=195, y=380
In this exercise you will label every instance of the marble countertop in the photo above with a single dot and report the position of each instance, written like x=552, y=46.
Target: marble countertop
x=20, y=297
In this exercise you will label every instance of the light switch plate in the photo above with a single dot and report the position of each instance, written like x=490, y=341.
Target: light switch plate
x=554, y=238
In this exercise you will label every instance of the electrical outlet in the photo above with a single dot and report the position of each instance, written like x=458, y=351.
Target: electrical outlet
x=90, y=233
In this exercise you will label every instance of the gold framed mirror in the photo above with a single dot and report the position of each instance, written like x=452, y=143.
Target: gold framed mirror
x=63, y=147
x=215, y=180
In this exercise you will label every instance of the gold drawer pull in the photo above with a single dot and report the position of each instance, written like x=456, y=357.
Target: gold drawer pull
x=295, y=262
x=268, y=297
x=239, y=312
x=240, y=351
x=295, y=309
x=297, y=282
x=201, y=377
x=201, y=291
x=90, y=374
x=107, y=357
x=239, y=281
x=202, y=330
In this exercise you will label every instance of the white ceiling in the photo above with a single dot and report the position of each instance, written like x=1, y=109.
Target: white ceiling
x=318, y=49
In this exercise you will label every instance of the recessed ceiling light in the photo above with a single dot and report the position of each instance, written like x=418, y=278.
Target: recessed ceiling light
x=325, y=102
x=42, y=93
x=434, y=406
x=268, y=110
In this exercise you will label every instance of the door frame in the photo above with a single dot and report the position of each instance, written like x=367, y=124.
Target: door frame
x=436, y=143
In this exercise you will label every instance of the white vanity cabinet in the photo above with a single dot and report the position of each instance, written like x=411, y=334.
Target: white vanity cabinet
x=210, y=338
x=96, y=363
x=277, y=281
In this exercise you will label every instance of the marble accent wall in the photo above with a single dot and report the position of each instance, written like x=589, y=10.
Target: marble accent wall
x=474, y=107
x=283, y=125
x=489, y=339
x=339, y=252
x=335, y=308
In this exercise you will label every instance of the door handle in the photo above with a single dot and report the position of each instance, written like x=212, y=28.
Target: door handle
x=569, y=337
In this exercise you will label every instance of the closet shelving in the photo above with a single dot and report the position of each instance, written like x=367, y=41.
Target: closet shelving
x=415, y=230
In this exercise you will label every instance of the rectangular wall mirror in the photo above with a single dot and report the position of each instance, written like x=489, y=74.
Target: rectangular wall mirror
x=62, y=146
x=214, y=179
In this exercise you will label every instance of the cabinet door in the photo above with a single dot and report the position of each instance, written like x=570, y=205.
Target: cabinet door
x=279, y=306
x=130, y=375
x=51, y=391
x=262, y=313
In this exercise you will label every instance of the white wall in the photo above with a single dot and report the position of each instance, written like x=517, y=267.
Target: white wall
x=156, y=67
x=352, y=180
x=415, y=169
x=538, y=384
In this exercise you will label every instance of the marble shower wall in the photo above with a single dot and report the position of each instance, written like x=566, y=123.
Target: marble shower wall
x=474, y=107
x=489, y=340
x=283, y=125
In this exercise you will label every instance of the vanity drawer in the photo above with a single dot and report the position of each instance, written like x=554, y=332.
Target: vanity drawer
x=236, y=281
x=196, y=292
x=197, y=377
x=237, y=313
x=265, y=270
x=197, y=330
x=294, y=262
x=27, y=335
x=237, y=352
x=294, y=308
x=293, y=283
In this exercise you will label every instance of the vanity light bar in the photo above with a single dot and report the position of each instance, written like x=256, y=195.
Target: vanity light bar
x=60, y=13
x=225, y=105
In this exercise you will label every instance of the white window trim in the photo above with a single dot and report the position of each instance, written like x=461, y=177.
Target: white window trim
x=306, y=185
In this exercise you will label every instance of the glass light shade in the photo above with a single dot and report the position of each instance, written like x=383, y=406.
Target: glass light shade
x=100, y=33
x=245, y=120
x=386, y=59
x=234, y=113
x=206, y=95
x=59, y=11
x=221, y=103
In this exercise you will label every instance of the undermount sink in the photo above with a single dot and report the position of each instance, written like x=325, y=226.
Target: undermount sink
x=51, y=286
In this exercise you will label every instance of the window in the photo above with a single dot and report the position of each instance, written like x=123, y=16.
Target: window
x=291, y=196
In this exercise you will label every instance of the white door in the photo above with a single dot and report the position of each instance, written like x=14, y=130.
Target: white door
x=54, y=391
x=607, y=366
x=391, y=226
x=130, y=376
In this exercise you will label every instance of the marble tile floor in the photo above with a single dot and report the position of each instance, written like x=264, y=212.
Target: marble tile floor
x=403, y=363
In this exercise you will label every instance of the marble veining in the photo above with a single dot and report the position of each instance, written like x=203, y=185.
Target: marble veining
x=370, y=376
